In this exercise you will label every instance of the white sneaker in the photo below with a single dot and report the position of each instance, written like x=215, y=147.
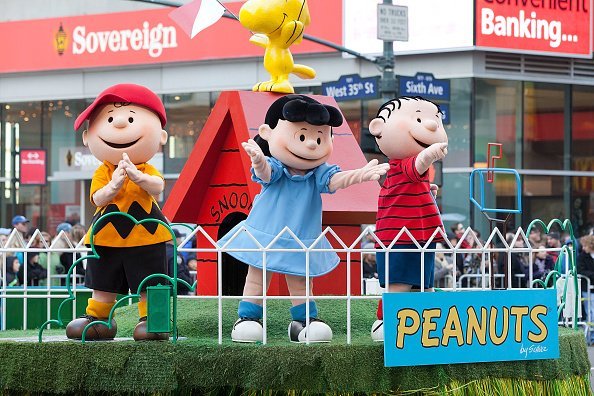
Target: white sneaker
x=247, y=330
x=377, y=331
x=319, y=331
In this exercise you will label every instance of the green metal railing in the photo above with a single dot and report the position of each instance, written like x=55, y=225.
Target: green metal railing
x=173, y=280
x=567, y=255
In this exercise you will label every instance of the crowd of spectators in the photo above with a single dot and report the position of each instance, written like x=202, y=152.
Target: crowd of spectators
x=525, y=266
x=585, y=267
x=35, y=264
x=65, y=236
x=186, y=263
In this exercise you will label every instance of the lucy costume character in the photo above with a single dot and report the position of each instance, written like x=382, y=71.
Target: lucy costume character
x=410, y=132
x=289, y=161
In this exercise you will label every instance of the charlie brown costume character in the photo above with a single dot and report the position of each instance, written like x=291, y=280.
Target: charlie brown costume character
x=125, y=130
x=289, y=160
x=410, y=132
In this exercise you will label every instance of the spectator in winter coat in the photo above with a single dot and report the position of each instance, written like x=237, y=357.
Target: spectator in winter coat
x=585, y=267
x=543, y=264
x=183, y=272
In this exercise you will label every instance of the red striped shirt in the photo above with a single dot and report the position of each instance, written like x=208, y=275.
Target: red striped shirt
x=405, y=200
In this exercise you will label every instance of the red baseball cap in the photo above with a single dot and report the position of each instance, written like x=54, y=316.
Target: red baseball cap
x=127, y=93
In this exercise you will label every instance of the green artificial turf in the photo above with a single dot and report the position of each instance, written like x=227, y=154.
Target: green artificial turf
x=198, y=364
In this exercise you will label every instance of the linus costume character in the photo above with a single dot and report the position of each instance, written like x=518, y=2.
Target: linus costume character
x=125, y=130
x=289, y=160
x=410, y=132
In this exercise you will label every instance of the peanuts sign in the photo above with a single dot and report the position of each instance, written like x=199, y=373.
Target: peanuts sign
x=472, y=326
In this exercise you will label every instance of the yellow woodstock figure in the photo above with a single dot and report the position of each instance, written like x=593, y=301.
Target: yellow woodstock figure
x=277, y=24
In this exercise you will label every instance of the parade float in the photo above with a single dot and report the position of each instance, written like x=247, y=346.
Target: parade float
x=476, y=341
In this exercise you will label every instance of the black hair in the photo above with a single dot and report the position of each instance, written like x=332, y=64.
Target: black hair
x=263, y=145
x=390, y=105
x=297, y=108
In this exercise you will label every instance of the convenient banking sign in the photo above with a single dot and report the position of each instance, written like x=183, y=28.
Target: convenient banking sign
x=467, y=327
x=550, y=27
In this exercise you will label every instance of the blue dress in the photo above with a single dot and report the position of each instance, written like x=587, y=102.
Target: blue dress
x=293, y=201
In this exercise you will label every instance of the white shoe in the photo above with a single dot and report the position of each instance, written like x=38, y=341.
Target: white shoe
x=247, y=330
x=377, y=331
x=319, y=331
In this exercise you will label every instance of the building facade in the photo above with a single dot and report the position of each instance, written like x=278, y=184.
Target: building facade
x=539, y=104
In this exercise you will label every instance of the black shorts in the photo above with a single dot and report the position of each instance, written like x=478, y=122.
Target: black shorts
x=120, y=269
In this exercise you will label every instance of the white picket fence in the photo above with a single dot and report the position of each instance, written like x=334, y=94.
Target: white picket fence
x=495, y=243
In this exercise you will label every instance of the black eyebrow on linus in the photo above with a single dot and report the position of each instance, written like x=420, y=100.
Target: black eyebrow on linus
x=110, y=111
x=132, y=111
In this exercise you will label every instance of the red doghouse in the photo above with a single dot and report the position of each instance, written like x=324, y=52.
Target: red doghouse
x=215, y=191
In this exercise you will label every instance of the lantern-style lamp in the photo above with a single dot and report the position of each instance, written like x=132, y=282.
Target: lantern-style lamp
x=61, y=38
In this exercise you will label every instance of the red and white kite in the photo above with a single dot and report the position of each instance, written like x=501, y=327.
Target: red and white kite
x=197, y=15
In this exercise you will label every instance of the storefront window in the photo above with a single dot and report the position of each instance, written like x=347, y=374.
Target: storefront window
x=497, y=110
x=186, y=116
x=367, y=142
x=47, y=125
x=458, y=128
x=582, y=159
x=543, y=198
x=22, y=128
x=544, y=120
x=214, y=96
x=65, y=204
x=453, y=198
x=69, y=162
x=455, y=205
x=497, y=120
x=313, y=90
x=543, y=125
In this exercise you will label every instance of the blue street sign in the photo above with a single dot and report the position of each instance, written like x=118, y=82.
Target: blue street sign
x=352, y=87
x=425, y=85
x=445, y=109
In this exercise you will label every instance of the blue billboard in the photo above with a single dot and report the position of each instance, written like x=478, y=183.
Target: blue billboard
x=470, y=326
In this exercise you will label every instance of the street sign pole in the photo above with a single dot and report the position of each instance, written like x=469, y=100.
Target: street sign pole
x=388, y=83
x=392, y=25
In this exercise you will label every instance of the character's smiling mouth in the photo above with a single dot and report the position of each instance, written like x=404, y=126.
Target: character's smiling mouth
x=424, y=145
x=303, y=158
x=119, y=145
